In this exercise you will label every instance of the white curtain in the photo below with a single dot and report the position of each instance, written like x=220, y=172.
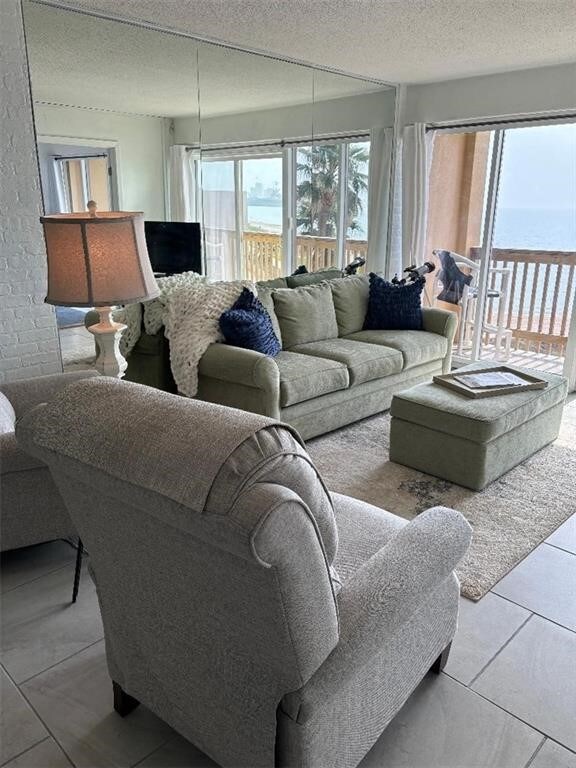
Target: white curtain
x=379, y=174
x=184, y=202
x=417, y=147
x=60, y=200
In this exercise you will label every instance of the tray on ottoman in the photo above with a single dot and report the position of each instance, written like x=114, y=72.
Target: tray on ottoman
x=473, y=441
x=451, y=381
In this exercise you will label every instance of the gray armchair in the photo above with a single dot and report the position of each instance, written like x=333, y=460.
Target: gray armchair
x=267, y=621
x=32, y=510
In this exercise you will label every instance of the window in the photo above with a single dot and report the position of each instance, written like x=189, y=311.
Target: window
x=264, y=215
x=331, y=203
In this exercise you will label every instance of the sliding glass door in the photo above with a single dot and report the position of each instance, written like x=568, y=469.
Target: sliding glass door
x=266, y=214
x=502, y=229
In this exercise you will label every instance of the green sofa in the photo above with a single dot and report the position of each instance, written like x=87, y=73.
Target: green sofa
x=330, y=372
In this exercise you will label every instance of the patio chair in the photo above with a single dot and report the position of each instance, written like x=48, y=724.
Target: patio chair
x=464, y=292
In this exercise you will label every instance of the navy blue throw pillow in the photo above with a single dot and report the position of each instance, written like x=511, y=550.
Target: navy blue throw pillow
x=247, y=324
x=394, y=307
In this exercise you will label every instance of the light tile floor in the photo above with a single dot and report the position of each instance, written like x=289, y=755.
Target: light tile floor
x=507, y=698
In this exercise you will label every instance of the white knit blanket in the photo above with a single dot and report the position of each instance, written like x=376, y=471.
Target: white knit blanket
x=191, y=325
x=152, y=312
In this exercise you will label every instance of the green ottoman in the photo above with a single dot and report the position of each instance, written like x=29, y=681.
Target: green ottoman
x=473, y=441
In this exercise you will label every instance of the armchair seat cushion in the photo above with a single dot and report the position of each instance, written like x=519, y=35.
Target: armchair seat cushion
x=417, y=347
x=303, y=377
x=365, y=362
x=363, y=529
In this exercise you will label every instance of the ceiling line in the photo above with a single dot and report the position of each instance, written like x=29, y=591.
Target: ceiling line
x=142, y=23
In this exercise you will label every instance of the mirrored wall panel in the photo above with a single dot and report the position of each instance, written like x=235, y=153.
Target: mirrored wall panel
x=280, y=164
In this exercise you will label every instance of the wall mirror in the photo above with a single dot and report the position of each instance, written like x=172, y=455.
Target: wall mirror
x=281, y=164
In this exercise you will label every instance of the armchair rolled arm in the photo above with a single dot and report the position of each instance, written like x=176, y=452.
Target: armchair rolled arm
x=28, y=393
x=382, y=595
x=240, y=366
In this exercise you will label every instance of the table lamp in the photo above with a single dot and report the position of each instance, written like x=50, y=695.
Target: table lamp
x=99, y=260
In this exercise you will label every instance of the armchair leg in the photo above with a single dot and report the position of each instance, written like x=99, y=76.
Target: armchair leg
x=123, y=702
x=440, y=662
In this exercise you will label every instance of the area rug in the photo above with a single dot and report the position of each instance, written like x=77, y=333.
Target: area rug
x=510, y=517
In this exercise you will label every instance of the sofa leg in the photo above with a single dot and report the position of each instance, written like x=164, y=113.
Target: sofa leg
x=123, y=702
x=440, y=662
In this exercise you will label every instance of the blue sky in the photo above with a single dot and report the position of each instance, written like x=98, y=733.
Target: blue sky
x=539, y=168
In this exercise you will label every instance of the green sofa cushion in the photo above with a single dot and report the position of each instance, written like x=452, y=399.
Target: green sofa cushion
x=479, y=420
x=417, y=347
x=364, y=361
x=305, y=314
x=311, y=278
x=350, y=296
x=303, y=377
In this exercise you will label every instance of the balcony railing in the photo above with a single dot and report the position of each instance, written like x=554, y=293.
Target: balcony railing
x=262, y=253
x=541, y=290
x=541, y=297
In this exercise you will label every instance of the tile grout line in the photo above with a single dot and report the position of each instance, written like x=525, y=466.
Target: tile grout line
x=536, y=752
x=57, y=663
x=535, y=613
x=53, y=735
x=168, y=740
x=510, y=714
x=37, y=578
x=15, y=757
x=562, y=549
x=512, y=636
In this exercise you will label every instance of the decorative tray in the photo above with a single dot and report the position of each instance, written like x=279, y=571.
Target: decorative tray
x=457, y=381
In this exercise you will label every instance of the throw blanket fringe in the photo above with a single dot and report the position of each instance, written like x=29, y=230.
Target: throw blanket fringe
x=191, y=325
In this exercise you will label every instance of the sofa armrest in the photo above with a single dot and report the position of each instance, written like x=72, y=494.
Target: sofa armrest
x=440, y=321
x=383, y=594
x=240, y=378
x=240, y=366
x=28, y=393
x=444, y=323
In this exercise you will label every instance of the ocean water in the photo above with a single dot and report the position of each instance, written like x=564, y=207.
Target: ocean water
x=517, y=228
x=542, y=230
x=536, y=229
x=529, y=228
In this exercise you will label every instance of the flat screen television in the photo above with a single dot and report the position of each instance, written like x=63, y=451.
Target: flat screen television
x=174, y=246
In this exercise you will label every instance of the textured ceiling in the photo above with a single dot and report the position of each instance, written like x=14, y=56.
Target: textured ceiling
x=394, y=40
x=84, y=61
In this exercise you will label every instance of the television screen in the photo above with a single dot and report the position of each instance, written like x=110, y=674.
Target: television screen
x=173, y=246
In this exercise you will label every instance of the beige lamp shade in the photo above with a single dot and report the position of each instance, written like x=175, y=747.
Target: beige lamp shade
x=97, y=260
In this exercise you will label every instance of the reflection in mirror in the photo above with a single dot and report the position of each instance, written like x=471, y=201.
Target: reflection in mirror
x=283, y=165
x=105, y=94
x=249, y=106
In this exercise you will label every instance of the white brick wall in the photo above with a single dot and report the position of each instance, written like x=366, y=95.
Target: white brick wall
x=28, y=334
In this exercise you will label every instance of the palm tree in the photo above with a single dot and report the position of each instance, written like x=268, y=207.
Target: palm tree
x=319, y=173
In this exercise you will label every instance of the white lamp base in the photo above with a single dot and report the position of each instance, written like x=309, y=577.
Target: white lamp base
x=107, y=333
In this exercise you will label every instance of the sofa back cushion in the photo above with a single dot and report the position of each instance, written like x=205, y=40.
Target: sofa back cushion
x=350, y=297
x=305, y=314
x=276, y=282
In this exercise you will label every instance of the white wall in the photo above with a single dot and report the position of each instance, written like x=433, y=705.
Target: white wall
x=140, y=153
x=354, y=113
x=528, y=91
x=28, y=336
